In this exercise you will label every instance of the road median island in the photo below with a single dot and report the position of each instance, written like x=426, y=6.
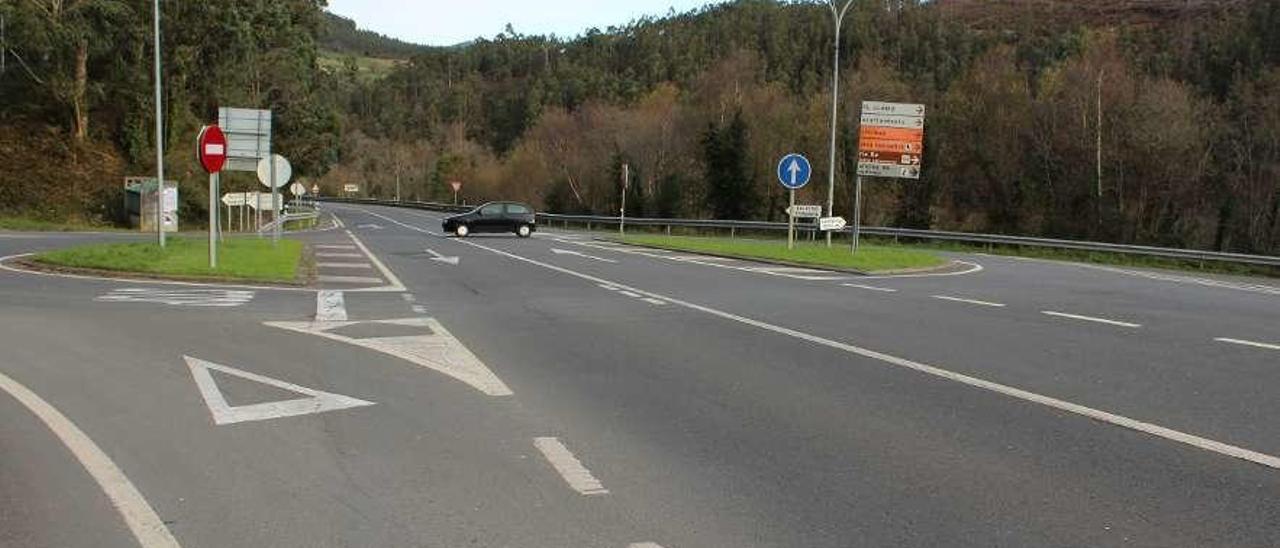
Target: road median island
x=870, y=259
x=239, y=260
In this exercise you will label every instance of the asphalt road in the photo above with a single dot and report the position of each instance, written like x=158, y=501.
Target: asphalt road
x=559, y=391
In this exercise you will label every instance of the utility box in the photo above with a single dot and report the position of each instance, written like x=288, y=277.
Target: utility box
x=140, y=198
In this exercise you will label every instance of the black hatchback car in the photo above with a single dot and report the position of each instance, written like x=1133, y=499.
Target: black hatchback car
x=493, y=217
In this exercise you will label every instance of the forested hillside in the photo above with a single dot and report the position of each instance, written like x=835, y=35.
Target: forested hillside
x=1181, y=94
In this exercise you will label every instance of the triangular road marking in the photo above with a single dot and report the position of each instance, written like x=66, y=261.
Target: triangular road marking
x=223, y=413
x=439, y=350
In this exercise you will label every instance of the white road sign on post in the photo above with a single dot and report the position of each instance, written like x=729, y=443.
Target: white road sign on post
x=805, y=211
x=831, y=223
x=248, y=133
x=283, y=171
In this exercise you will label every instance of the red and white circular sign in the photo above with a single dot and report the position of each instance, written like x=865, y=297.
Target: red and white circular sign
x=212, y=148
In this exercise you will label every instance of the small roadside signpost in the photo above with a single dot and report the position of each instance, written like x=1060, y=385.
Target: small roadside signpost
x=890, y=144
x=457, y=186
x=211, y=149
x=274, y=173
x=794, y=171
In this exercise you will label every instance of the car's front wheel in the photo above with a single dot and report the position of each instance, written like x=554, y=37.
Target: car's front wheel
x=461, y=231
x=524, y=231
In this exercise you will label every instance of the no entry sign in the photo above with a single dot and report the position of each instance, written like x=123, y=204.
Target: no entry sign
x=211, y=148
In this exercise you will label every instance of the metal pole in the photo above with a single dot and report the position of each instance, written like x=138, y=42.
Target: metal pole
x=213, y=221
x=857, y=213
x=791, y=221
x=838, y=16
x=275, y=203
x=159, y=131
x=622, y=212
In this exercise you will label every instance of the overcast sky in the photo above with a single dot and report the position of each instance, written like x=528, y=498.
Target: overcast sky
x=444, y=23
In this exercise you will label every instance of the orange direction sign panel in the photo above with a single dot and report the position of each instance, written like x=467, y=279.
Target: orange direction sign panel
x=891, y=140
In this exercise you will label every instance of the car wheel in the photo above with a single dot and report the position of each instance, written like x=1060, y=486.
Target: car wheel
x=462, y=231
x=524, y=231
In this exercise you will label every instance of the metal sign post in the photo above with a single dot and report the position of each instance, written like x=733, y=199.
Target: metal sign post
x=890, y=144
x=794, y=171
x=211, y=150
x=159, y=132
x=837, y=16
x=622, y=211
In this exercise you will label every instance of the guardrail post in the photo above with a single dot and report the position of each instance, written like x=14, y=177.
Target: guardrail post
x=668, y=231
x=733, y=232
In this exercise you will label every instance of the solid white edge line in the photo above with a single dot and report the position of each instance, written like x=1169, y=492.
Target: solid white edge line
x=393, y=283
x=1090, y=319
x=1016, y=393
x=871, y=288
x=1243, y=342
x=569, y=467
x=968, y=301
x=143, y=522
x=644, y=545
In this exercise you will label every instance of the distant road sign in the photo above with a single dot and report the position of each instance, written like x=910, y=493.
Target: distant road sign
x=248, y=133
x=235, y=199
x=891, y=140
x=284, y=171
x=351, y=188
x=831, y=223
x=805, y=211
x=794, y=171
x=211, y=149
x=298, y=189
x=315, y=189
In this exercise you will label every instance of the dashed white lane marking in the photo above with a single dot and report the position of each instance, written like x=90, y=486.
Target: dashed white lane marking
x=968, y=301
x=609, y=287
x=653, y=301
x=334, y=255
x=408, y=297
x=348, y=279
x=644, y=545
x=1242, y=342
x=337, y=247
x=358, y=266
x=1170, y=434
x=1090, y=319
x=871, y=288
x=419, y=309
x=146, y=526
x=213, y=298
x=569, y=467
x=331, y=306
x=631, y=294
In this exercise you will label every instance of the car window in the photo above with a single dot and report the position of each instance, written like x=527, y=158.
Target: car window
x=493, y=209
x=517, y=209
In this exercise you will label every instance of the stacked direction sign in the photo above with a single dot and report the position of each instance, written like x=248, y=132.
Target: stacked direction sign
x=891, y=140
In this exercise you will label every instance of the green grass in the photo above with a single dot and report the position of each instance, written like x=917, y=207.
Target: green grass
x=28, y=224
x=870, y=258
x=250, y=259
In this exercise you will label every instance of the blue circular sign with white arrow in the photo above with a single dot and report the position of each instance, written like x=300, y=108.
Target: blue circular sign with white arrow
x=794, y=171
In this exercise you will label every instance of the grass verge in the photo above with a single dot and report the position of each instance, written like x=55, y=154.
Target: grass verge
x=28, y=224
x=249, y=259
x=870, y=258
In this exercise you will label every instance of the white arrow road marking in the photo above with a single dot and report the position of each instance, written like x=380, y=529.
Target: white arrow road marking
x=223, y=413
x=569, y=467
x=442, y=259
x=146, y=526
x=435, y=349
x=559, y=251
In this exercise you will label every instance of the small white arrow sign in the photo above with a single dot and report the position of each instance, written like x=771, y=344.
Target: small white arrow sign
x=442, y=259
x=559, y=251
x=223, y=413
x=831, y=223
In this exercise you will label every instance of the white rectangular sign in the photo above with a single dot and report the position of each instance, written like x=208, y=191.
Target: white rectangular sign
x=170, y=199
x=831, y=223
x=248, y=134
x=882, y=120
x=351, y=188
x=805, y=211
x=889, y=170
x=893, y=109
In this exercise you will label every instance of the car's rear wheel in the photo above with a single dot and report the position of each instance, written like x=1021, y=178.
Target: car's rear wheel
x=524, y=231
x=461, y=231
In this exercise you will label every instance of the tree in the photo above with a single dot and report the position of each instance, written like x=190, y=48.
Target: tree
x=728, y=177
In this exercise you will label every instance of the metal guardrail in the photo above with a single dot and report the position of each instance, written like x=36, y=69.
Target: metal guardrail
x=887, y=232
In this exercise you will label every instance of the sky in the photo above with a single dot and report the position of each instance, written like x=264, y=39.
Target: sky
x=445, y=23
